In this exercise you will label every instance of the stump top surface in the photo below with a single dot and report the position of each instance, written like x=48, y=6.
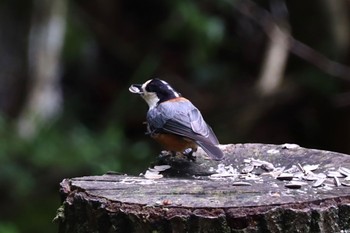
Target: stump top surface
x=199, y=192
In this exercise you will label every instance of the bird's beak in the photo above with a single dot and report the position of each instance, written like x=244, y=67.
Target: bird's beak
x=136, y=89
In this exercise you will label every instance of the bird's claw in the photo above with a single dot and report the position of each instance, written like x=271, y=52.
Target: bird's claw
x=189, y=154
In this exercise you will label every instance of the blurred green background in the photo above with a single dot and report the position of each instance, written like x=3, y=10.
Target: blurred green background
x=65, y=69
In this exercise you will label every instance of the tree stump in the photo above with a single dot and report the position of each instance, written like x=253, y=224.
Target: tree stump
x=233, y=195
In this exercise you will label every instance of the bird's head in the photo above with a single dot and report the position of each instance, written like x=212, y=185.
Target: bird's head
x=154, y=91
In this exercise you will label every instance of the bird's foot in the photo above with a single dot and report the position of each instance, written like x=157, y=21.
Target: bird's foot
x=188, y=153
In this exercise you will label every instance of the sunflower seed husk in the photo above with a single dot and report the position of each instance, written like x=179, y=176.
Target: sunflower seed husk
x=314, y=176
x=257, y=162
x=311, y=177
x=247, y=169
x=275, y=173
x=332, y=174
x=299, y=175
x=268, y=166
x=321, y=175
x=161, y=168
x=152, y=175
x=346, y=183
x=344, y=171
x=329, y=182
x=300, y=168
x=310, y=168
x=292, y=169
x=295, y=184
x=290, y=146
x=336, y=181
x=220, y=175
x=263, y=164
x=319, y=182
x=247, y=161
x=241, y=183
x=285, y=176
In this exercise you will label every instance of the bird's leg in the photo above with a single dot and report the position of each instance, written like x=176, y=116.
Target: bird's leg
x=148, y=129
x=189, y=154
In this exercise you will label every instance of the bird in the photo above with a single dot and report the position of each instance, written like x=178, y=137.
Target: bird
x=174, y=122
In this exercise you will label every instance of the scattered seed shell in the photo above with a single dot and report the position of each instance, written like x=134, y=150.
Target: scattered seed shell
x=300, y=168
x=299, y=175
x=311, y=177
x=161, y=168
x=318, y=183
x=290, y=146
x=294, y=175
x=346, y=183
x=292, y=169
x=332, y=174
x=267, y=167
x=329, y=182
x=309, y=168
x=247, y=169
x=241, y=183
x=219, y=175
x=285, y=176
x=295, y=184
x=321, y=175
x=336, y=181
x=256, y=162
x=275, y=173
x=263, y=164
x=344, y=171
x=152, y=175
x=247, y=161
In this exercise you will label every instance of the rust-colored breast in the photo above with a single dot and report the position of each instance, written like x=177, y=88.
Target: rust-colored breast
x=174, y=143
x=177, y=99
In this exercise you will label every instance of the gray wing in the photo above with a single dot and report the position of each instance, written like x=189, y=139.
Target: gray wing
x=183, y=118
x=192, y=125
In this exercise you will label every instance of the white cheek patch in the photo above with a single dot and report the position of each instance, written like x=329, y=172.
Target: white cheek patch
x=151, y=99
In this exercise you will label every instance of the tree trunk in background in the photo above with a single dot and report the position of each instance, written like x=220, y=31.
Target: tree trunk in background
x=339, y=24
x=276, y=57
x=46, y=35
x=14, y=28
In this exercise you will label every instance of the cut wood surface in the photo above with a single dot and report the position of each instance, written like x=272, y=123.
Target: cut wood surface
x=215, y=196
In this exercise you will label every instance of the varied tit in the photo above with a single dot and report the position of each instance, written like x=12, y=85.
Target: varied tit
x=174, y=121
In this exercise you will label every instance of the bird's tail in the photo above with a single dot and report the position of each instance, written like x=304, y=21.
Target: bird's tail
x=212, y=150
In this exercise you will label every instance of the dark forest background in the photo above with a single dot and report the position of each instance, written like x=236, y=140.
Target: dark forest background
x=268, y=71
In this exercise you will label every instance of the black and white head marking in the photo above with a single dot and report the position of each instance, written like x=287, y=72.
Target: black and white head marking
x=150, y=97
x=155, y=91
